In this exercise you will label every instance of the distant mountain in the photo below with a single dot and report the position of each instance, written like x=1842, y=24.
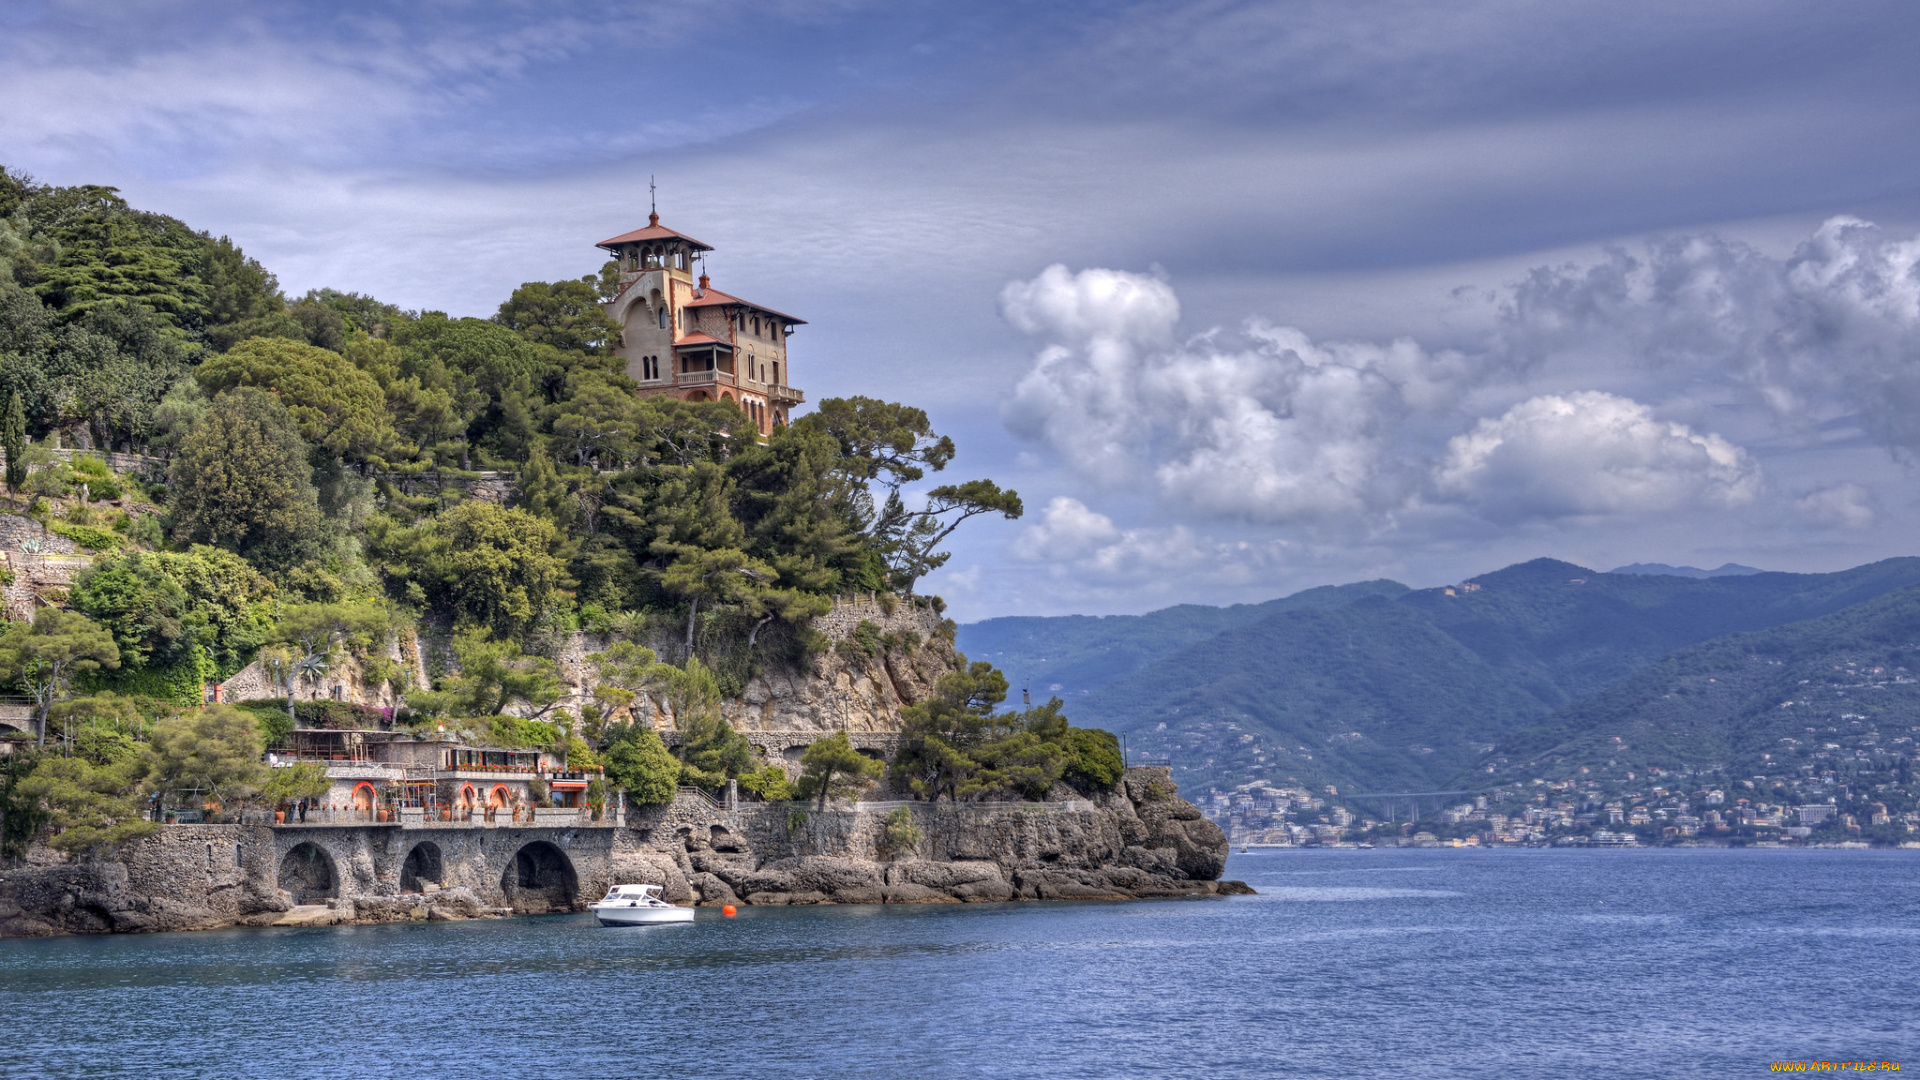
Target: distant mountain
x=1832, y=693
x=1723, y=570
x=1377, y=687
x=1071, y=655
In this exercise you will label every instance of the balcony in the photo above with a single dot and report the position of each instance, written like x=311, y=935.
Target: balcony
x=785, y=395
x=705, y=378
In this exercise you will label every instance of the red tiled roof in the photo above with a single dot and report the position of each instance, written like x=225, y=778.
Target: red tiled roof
x=699, y=337
x=712, y=297
x=654, y=231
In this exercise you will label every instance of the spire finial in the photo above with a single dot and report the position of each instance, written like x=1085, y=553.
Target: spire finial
x=653, y=203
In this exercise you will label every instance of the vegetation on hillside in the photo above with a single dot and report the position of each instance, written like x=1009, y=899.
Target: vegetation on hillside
x=1835, y=695
x=311, y=506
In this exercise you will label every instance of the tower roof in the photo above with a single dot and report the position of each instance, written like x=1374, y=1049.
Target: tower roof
x=653, y=231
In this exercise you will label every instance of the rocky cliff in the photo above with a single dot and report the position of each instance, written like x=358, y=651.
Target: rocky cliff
x=860, y=684
x=1140, y=841
x=191, y=877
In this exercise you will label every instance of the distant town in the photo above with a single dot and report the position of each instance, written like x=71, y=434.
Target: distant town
x=1832, y=787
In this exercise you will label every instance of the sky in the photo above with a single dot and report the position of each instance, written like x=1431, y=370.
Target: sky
x=1243, y=298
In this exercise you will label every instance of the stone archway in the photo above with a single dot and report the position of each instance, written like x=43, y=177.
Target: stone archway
x=307, y=874
x=424, y=866
x=364, y=798
x=500, y=797
x=540, y=879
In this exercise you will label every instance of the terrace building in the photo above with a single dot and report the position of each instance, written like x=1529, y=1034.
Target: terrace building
x=439, y=778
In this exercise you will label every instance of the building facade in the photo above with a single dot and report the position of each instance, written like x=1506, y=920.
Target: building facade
x=681, y=336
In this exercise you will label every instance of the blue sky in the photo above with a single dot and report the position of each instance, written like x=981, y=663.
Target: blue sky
x=1243, y=298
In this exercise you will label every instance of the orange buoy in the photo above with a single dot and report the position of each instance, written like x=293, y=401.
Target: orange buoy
x=728, y=911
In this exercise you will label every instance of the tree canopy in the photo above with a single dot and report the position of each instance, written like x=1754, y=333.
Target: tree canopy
x=321, y=490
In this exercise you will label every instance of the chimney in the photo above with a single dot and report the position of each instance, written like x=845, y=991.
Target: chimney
x=703, y=283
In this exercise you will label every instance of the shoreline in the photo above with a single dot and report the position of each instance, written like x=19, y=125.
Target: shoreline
x=1139, y=841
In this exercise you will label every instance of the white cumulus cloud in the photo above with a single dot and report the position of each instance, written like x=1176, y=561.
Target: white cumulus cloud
x=1273, y=428
x=1590, y=453
x=1831, y=332
x=1842, y=506
x=1074, y=539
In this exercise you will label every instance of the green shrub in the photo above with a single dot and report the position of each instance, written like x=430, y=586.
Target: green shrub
x=91, y=537
x=769, y=783
x=901, y=835
x=272, y=721
x=518, y=733
x=579, y=754
x=182, y=682
x=144, y=529
x=102, y=484
x=1093, y=759
x=640, y=764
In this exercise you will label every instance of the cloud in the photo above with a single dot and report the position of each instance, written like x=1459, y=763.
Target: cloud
x=1074, y=540
x=1067, y=530
x=1596, y=393
x=1843, y=506
x=1275, y=428
x=1590, y=453
x=1832, y=332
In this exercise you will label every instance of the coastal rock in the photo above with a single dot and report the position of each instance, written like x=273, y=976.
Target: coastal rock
x=1140, y=840
x=709, y=890
x=455, y=903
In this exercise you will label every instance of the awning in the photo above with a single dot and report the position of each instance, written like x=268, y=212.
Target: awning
x=567, y=785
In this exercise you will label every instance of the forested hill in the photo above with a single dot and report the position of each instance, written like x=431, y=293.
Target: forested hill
x=1396, y=689
x=300, y=492
x=1836, y=692
x=1073, y=655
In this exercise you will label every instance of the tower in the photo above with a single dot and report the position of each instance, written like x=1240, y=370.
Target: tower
x=681, y=336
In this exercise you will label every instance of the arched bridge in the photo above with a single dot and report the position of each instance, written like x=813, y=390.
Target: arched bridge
x=531, y=870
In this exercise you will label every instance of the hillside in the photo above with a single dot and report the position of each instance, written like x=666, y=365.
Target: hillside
x=416, y=522
x=1073, y=655
x=1408, y=690
x=1835, y=693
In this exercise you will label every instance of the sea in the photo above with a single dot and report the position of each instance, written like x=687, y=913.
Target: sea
x=1349, y=963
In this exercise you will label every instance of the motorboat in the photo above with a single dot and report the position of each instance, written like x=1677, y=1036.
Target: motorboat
x=637, y=905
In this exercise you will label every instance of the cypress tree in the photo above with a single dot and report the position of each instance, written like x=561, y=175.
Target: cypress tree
x=13, y=439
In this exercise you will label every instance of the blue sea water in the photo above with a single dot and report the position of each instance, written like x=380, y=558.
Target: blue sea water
x=1386, y=963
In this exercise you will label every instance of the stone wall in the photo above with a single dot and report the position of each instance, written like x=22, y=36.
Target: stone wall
x=136, y=464
x=185, y=877
x=487, y=485
x=39, y=581
x=1141, y=840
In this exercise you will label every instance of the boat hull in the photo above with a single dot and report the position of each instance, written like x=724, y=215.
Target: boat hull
x=641, y=916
